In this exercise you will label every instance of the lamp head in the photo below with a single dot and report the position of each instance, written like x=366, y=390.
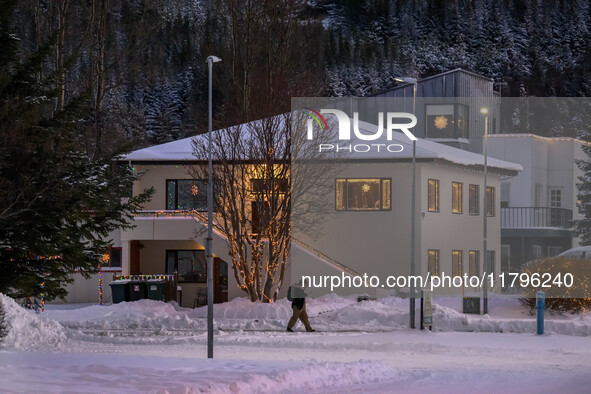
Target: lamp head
x=213, y=59
x=406, y=80
x=484, y=111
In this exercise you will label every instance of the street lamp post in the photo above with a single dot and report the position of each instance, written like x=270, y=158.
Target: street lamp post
x=412, y=81
x=208, y=244
x=484, y=111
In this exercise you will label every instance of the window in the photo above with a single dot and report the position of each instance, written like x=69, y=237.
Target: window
x=490, y=262
x=112, y=259
x=433, y=189
x=555, y=197
x=259, y=185
x=433, y=261
x=456, y=263
x=447, y=121
x=555, y=203
x=505, y=193
x=505, y=258
x=490, y=201
x=536, y=251
x=190, y=265
x=474, y=263
x=456, y=197
x=184, y=194
x=539, y=195
x=474, y=199
x=373, y=194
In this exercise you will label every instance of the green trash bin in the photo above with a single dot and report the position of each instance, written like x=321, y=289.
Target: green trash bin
x=137, y=290
x=119, y=291
x=155, y=289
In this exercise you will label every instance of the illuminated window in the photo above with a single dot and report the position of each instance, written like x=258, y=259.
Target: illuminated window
x=112, y=259
x=433, y=259
x=447, y=121
x=490, y=201
x=433, y=191
x=186, y=194
x=474, y=263
x=374, y=194
x=456, y=197
x=474, y=196
x=259, y=185
x=456, y=263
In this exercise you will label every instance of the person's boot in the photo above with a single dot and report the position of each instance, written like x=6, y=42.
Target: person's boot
x=311, y=330
x=289, y=329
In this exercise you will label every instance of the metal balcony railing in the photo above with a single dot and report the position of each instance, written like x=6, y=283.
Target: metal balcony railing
x=536, y=217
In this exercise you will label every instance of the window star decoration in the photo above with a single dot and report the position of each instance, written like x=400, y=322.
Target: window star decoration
x=194, y=190
x=365, y=187
x=440, y=122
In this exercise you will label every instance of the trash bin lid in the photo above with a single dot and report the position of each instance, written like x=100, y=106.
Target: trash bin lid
x=120, y=282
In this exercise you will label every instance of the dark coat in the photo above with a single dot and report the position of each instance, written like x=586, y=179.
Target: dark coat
x=297, y=295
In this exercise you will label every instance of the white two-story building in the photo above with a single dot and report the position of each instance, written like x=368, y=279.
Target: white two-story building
x=538, y=206
x=367, y=229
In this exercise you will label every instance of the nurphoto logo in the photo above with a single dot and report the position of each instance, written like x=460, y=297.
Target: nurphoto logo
x=391, y=119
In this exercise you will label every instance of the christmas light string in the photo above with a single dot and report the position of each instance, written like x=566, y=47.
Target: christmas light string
x=42, y=296
x=142, y=277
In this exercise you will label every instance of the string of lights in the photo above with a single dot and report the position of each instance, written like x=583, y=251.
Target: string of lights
x=42, y=296
x=142, y=277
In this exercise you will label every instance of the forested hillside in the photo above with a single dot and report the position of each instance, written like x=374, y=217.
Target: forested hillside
x=140, y=64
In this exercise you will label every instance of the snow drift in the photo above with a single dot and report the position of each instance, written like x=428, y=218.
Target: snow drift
x=26, y=330
x=314, y=377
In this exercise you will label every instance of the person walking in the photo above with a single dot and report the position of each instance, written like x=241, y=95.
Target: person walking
x=297, y=296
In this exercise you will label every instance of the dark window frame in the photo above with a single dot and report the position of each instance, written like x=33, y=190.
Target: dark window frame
x=118, y=250
x=216, y=189
x=490, y=262
x=201, y=279
x=460, y=253
x=490, y=201
x=437, y=261
x=477, y=263
x=437, y=193
x=346, y=199
x=461, y=199
x=456, y=126
x=256, y=186
x=474, y=202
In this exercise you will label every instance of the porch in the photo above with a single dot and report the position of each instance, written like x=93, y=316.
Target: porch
x=169, y=243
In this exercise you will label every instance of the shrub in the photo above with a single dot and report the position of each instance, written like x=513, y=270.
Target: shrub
x=559, y=299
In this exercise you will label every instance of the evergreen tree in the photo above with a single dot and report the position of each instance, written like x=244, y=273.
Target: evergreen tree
x=57, y=204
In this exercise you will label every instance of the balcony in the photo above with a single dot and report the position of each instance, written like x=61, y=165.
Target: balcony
x=534, y=217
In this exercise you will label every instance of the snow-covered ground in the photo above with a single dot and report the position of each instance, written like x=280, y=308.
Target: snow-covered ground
x=149, y=346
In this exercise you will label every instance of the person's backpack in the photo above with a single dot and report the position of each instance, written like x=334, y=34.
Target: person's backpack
x=289, y=294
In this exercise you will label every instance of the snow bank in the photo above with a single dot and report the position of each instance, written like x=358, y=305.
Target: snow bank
x=330, y=313
x=26, y=330
x=315, y=377
x=237, y=314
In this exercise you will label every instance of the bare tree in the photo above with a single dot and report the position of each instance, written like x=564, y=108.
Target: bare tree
x=252, y=199
x=264, y=172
